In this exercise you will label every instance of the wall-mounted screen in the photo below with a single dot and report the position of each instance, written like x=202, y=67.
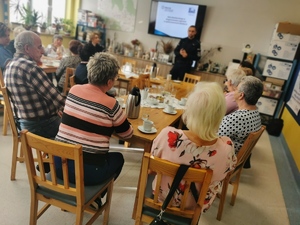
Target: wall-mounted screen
x=172, y=19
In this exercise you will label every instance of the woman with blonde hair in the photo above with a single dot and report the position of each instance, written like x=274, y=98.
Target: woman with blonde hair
x=200, y=146
x=93, y=45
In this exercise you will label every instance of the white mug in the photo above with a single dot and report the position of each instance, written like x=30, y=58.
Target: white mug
x=183, y=101
x=170, y=108
x=147, y=125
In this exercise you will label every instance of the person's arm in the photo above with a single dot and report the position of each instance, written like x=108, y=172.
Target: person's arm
x=178, y=48
x=122, y=126
x=61, y=69
x=195, y=51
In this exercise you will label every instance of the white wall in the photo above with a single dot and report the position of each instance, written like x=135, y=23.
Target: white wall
x=228, y=23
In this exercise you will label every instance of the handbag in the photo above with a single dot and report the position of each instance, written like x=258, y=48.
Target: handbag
x=178, y=177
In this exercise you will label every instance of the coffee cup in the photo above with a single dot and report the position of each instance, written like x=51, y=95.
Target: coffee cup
x=183, y=101
x=170, y=108
x=147, y=125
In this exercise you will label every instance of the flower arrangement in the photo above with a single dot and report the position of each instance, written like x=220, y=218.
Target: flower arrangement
x=167, y=47
x=135, y=42
x=209, y=53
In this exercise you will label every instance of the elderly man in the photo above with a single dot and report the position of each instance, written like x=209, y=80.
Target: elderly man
x=246, y=119
x=36, y=102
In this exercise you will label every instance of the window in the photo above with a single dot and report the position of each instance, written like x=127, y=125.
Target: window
x=47, y=10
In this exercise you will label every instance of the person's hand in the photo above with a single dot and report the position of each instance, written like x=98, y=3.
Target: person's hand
x=183, y=53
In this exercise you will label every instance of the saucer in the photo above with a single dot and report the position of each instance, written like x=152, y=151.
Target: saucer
x=172, y=113
x=153, y=130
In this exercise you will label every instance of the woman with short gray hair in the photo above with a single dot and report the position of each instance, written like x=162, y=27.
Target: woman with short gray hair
x=232, y=81
x=90, y=117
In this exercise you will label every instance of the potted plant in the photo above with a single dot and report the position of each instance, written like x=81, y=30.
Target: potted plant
x=43, y=27
x=68, y=26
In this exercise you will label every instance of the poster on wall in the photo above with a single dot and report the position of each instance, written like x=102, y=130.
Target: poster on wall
x=118, y=14
x=294, y=102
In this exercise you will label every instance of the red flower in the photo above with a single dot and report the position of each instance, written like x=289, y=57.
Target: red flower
x=173, y=139
x=212, y=153
x=181, y=188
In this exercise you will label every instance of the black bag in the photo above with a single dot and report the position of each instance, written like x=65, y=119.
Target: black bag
x=178, y=177
x=274, y=127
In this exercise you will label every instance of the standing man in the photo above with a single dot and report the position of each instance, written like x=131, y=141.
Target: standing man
x=37, y=104
x=187, y=54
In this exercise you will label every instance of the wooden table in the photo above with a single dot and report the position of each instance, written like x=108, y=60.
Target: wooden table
x=49, y=69
x=160, y=119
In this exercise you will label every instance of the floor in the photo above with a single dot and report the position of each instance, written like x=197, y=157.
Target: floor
x=265, y=197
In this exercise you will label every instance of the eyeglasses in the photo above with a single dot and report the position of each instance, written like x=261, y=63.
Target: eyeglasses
x=225, y=81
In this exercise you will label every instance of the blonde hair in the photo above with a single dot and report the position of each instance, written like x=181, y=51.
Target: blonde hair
x=205, y=110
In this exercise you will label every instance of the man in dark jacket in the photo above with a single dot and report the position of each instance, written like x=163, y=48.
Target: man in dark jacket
x=187, y=54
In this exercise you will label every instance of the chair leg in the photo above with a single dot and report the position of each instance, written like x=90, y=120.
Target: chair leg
x=79, y=216
x=108, y=202
x=5, y=122
x=14, y=159
x=235, y=185
x=222, y=198
x=33, y=210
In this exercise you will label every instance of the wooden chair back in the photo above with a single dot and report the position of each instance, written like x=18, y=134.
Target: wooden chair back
x=141, y=82
x=15, y=135
x=149, y=206
x=72, y=80
x=242, y=156
x=69, y=72
x=190, y=78
x=75, y=198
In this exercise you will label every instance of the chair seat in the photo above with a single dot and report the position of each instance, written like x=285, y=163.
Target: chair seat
x=89, y=191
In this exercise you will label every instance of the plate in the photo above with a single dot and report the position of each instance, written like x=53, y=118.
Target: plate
x=177, y=81
x=172, y=113
x=153, y=130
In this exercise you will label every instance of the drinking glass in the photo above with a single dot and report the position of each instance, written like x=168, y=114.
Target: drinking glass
x=145, y=117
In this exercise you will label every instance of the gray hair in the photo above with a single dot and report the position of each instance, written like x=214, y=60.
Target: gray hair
x=102, y=68
x=252, y=87
x=22, y=39
x=57, y=36
x=18, y=30
x=235, y=76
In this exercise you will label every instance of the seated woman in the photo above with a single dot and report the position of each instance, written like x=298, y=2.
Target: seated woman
x=5, y=54
x=56, y=49
x=247, y=67
x=90, y=117
x=71, y=61
x=232, y=81
x=94, y=44
x=246, y=119
x=200, y=146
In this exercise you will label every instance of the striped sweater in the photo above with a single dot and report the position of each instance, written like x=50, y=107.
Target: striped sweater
x=90, y=118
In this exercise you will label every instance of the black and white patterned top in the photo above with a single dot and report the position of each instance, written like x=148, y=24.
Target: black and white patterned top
x=238, y=125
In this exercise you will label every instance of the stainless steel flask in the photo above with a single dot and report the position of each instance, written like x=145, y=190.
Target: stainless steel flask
x=133, y=103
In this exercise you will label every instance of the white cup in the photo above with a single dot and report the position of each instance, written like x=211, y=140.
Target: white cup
x=170, y=108
x=183, y=101
x=147, y=125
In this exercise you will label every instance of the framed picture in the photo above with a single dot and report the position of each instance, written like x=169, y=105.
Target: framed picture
x=266, y=105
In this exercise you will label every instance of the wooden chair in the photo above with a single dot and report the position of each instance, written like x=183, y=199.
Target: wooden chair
x=141, y=82
x=72, y=81
x=5, y=117
x=242, y=156
x=75, y=198
x=69, y=73
x=148, y=205
x=15, y=135
x=190, y=78
x=148, y=69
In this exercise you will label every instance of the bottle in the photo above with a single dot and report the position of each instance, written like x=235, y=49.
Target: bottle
x=153, y=70
x=133, y=104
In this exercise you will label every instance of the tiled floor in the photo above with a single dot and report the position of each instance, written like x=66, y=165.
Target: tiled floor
x=260, y=200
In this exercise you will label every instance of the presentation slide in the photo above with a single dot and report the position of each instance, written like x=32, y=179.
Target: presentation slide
x=173, y=19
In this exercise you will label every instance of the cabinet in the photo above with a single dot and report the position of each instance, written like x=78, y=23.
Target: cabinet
x=83, y=31
x=277, y=76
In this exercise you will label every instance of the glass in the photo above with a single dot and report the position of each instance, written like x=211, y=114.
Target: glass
x=145, y=117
